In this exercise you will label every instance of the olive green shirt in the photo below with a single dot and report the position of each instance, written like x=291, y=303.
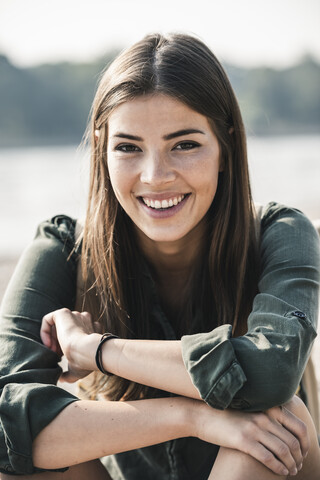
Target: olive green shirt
x=254, y=372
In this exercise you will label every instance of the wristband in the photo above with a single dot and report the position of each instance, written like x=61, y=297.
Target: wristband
x=105, y=337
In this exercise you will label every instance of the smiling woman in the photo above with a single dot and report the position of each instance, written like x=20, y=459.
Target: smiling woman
x=166, y=177
x=185, y=323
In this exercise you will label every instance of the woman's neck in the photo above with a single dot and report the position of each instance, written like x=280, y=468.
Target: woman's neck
x=174, y=260
x=173, y=265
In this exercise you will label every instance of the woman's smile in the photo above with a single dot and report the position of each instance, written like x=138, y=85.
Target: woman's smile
x=164, y=162
x=160, y=204
x=158, y=208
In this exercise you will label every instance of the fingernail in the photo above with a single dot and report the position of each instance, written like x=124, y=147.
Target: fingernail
x=294, y=472
x=285, y=472
x=299, y=467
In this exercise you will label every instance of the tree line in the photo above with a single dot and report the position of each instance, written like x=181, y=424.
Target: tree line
x=49, y=104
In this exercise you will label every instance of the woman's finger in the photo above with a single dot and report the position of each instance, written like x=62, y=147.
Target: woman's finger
x=267, y=458
x=46, y=338
x=58, y=320
x=292, y=424
x=55, y=342
x=48, y=319
x=48, y=333
x=281, y=450
x=297, y=427
x=292, y=443
x=272, y=423
x=60, y=331
x=46, y=329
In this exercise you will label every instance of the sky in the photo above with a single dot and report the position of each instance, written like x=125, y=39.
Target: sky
x=242, y=32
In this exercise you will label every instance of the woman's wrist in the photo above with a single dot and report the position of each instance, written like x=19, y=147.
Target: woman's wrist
x=179, y=415
x=110, y=355
x=83, y=351
x=195, y=414
x=206, y=422
x=190, y=416
x=186, y=416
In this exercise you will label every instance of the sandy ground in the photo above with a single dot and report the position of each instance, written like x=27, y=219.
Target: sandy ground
x=7, y=266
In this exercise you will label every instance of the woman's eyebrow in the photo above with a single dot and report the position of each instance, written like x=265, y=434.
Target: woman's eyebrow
x=179, y=133
x=170, y=136
x=128, y=136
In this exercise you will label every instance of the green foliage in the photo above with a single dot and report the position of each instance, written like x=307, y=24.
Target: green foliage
x=279, y=101
x=50, y=104
x=47, y=104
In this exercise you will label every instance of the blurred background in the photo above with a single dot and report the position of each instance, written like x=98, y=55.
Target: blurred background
x=51, y=55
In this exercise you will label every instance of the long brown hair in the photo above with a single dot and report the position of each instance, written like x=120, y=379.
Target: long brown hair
x=183, y=67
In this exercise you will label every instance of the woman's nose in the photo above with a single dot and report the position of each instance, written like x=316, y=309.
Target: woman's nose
x=157, y=170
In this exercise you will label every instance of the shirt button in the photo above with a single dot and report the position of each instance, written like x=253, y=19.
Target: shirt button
x=299, y=314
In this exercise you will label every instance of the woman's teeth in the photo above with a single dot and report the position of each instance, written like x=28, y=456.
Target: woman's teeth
x=157, y=204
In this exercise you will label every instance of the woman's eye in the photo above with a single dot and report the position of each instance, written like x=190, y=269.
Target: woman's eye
x=127, y=148
x=186, y=146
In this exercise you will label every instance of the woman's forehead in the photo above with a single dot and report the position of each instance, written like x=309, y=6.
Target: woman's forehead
x=159, y=111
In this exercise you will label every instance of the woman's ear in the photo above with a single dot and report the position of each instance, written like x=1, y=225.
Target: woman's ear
x=231, y=130
x=96, y=135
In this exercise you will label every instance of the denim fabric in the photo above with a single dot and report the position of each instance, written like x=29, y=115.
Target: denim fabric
x=253, y=372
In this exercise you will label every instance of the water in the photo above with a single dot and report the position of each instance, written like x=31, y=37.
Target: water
x=287, y=169
x=37, y=183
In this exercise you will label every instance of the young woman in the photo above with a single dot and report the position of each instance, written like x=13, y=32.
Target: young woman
x=212, y=311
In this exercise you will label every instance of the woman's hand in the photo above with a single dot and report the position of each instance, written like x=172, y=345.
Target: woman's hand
x=74, y=335
x=276, y=438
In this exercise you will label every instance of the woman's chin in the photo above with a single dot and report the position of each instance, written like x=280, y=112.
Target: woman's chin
x=163, y=236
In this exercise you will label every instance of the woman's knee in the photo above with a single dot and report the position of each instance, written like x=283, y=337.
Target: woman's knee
x=297, y=407
x=237, y=465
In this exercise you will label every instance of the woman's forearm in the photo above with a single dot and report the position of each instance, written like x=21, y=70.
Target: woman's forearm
x=155, y=363
x=86, y=430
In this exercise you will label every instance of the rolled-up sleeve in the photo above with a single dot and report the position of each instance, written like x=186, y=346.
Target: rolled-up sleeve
x=263, y=368
x=43, y=281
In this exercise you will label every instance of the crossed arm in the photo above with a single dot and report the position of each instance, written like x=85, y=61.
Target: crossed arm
x=145, y=422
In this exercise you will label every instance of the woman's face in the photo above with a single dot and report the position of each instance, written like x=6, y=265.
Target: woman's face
x=163, y=161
